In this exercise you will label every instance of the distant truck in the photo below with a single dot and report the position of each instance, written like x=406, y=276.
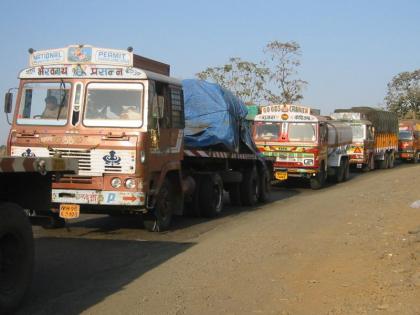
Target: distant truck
x=375, y=136
x=304, y=145
x=25, y=183
x=409, y=140
x=146, y=142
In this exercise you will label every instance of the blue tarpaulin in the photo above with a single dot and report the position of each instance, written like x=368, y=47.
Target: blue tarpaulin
x=214, y=117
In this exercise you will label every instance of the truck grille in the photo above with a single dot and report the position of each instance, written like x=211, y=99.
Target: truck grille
x=93, y=162
x=83, y=156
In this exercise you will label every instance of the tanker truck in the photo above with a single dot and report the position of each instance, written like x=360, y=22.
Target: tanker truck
x=409, y=140
x=375, y=136
x=147, y=144
x=304, y=145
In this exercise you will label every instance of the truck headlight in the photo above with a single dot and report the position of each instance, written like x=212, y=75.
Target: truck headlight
x=116, y=182
x=130, y=183
x=308, y=162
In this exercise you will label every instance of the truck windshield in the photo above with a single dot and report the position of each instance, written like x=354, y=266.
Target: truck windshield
x=267, y=131
x=302, y=132
x=358, y=132
x=405, y=135
x=40, y=104
x=114, y=105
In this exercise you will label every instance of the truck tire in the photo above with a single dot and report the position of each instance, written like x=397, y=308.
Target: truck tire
x=391, y=160
x=249, y=187
x=339, y=172
x=264, y=186
x=346, y=174
x=161, y=216
x=193, y=206
x=235, y=194
x=370, y=166
x=318, y=181
x=415, y=159
x=16, y=256
x=383, y=164
x=211, y=195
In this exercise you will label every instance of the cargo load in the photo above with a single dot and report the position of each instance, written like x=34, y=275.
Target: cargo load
x=383, y=121
x=375, y=136
x=214, y=118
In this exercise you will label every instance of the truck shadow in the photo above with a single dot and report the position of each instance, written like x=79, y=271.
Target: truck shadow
x=109, y=225
x=72, y=275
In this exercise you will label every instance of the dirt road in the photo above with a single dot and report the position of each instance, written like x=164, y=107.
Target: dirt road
x=352, y=248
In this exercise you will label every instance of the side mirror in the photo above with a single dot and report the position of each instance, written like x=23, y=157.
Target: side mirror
x=8, y=102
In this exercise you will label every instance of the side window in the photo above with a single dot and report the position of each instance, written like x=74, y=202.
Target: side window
x=177, y=108
x=162, y=92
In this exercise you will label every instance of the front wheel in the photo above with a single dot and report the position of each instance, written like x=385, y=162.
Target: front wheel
x=161, y=216
x=318, y=181
x=16, y=256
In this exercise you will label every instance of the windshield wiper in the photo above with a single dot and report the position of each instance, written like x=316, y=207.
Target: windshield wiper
x=63, y=97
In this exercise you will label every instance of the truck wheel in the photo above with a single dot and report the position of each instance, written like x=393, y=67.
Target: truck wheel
x=235, y=194
x=318, y=181
x=391, y=160
x=193, y=206
x=346, y=174
x=339, y=172
x=370, y=166
x=264, y=186
x=16, y=256
x=161, y=216
x=249, y=187
x=383, y=164
x=415, y=159
x=211, y=195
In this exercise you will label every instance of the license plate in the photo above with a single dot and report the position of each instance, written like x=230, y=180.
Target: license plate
x=280, y=175
x=69, y=211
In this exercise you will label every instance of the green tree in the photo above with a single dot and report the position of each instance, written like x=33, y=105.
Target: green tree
x=244, y=78
x=283, y=62
x=403, y=96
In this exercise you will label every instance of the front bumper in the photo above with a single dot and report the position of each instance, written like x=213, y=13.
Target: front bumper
x=298, y=172
x=98, y=197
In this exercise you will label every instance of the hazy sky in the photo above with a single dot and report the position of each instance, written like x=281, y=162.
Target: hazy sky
x=351, y=49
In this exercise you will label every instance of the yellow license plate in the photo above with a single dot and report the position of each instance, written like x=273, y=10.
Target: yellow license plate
x=69, y=211
x=280, y=175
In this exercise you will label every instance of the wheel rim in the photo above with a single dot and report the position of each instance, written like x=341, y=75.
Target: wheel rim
x=11, y=260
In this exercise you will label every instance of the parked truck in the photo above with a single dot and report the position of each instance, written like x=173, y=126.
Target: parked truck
x=304, y=145
x=141, y=148
x=409, y=140
x=375, y=136
x=25, y=183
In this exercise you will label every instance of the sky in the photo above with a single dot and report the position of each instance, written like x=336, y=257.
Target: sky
x=350, y=49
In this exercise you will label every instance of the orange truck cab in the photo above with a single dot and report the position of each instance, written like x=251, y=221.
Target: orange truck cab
x=304, y=145
x=409, y=140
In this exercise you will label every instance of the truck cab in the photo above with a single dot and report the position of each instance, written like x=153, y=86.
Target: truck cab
x=304, y=145
x=409, y=140
x=112, y=110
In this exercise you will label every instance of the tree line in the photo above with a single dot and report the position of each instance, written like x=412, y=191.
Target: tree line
x=271, y=80
x=275, y=80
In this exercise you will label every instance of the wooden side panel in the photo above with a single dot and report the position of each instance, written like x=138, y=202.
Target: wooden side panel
x=151, y=65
